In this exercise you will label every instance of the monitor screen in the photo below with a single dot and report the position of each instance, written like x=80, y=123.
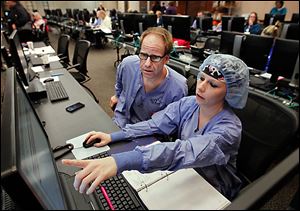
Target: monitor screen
x=237, y=24
x=271, y=20
x=28, y=169
x=225, y=20
x=178, y=25
x=283, y=59
x=146, y=20
x=255, y=50
x=18, y=57
x=126, y=21
x=204, y=23
x=227, y=41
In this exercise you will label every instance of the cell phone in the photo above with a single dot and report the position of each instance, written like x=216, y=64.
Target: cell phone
x=74, y=107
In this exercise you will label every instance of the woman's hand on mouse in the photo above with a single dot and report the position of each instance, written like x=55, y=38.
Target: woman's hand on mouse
x=105, y=138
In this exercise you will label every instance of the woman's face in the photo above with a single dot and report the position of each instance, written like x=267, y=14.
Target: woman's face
x=210, y=91
x=252, y=17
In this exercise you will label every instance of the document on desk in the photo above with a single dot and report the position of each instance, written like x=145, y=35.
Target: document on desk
x=53, y=58
x=37, y=69
x=184, y=189
x=80, y=152
x=43, y=50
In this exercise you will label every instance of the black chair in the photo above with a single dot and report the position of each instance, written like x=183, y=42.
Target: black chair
x=80, y=64
x=269, y=130
x=63, y=49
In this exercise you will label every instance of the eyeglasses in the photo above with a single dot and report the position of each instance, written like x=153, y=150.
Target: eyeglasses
x=153, y=58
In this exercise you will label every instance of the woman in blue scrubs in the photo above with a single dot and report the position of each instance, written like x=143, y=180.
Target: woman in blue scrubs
x=209, y=131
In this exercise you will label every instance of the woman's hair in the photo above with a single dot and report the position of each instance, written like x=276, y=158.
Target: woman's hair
x=256, y=18
x=163, y=33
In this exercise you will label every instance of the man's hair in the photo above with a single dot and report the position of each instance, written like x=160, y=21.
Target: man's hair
x=163, y=33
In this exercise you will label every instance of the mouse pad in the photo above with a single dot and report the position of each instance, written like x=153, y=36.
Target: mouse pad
x=80, y=152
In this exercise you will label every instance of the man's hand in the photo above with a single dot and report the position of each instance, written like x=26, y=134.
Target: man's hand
x=105, y=138
x=14, y=26
x=113, y=102
x=94, y=171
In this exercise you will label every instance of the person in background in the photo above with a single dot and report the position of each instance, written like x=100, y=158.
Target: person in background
x=159, y=20
x=279, y=9
x=199, y=14
x=98, y=20
x=105, y=19
x=144, y=84
x=252, y=26
x=171, y=9
x=209, y=131
x=156, y=7
x=101, y=7
x=38, y=20
x=18, y=16
x=163, y=8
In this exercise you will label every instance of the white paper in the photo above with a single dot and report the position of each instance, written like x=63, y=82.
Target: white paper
x=43, y=50
x=185, y=189
x=139, y=181
x=266, y=75
x=80, y=152
x=53, y=58
x=105, y=30
x=56, y=78
x=37, y=69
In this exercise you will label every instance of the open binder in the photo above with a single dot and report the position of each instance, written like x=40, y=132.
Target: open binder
x=184, y=189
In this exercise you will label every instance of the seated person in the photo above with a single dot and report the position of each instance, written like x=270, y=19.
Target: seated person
x=159, y=21
x=98, y=20
x=279, y=9
x=105, y=20
x=38, y=20
x=199, y=14
x=144, y=84
x=252, y=26
x=209, y=131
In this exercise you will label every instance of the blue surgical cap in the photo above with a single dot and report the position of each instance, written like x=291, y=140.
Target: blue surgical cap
x=236, y=75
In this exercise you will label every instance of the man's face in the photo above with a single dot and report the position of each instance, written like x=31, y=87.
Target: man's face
x=153, y=45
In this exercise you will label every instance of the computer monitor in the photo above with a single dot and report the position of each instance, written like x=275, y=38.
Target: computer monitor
x=295, y=18
x=227, y=41
x=292, y=31
x=283, y=59
x=271, y=20
x=126, y=21
x=230, y=23
x=18, y=56
x=28, y=170
x=204, y=23
x=178, y=25
x=144, y=21
x=225, y=20
x=237, y=24
x=255, y=50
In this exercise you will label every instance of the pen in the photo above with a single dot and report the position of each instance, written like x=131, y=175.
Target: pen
x=107, y=198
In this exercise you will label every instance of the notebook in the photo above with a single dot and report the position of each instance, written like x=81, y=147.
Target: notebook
x=184, y=189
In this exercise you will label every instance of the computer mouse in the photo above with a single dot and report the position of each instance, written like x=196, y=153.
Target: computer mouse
x=48, y=80
x=87, y=145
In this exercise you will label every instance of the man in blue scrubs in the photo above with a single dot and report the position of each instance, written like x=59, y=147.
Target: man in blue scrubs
x=144, y=84
x=208, y=130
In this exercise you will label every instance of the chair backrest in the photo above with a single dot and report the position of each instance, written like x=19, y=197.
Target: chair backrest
x=269, y=128
x=212, y=43
x=80, y=55
x=63, y=47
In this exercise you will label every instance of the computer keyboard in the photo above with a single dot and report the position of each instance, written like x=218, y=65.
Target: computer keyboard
x=56, y=91
x=261, y=83
x=120, y=193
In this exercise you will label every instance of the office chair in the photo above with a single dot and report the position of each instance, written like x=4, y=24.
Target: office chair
x=192, y=83
x=63, y=49
x=79, y=63
x=269, y=130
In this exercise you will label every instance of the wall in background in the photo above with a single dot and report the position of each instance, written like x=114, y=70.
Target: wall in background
x=262, y=7
x=241, y=7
